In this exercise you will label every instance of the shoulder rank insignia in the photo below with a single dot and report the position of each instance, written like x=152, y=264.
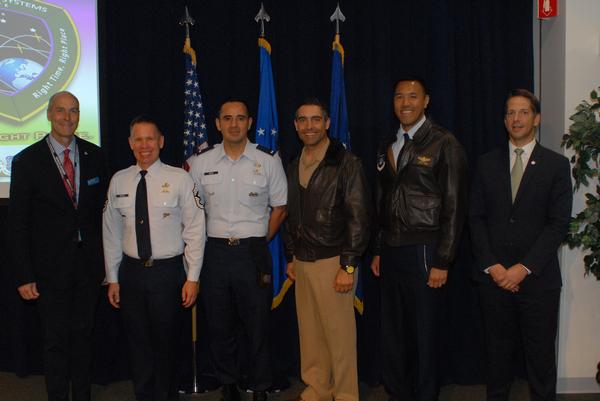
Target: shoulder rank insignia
x=211, y=147
x=266, y=150
x=380, y=161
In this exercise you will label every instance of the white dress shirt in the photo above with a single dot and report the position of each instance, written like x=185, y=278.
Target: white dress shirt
x=397, y=146
x=59, y=148
x=527, y=150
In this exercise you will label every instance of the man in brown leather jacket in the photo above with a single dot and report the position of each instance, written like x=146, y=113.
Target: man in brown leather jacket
x=421, y=202
x=327, y=232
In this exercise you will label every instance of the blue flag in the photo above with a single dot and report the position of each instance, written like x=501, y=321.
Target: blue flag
x=267, y=129
x=338, y=128
x=194, y=123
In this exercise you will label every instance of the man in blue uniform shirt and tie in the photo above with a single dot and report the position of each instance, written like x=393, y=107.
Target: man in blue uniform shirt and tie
x=152, y=223
x=244, y=190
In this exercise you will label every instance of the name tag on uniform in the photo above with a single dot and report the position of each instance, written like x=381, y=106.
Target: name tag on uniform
x=93, y=181
x=211, y=172
x=121, y=195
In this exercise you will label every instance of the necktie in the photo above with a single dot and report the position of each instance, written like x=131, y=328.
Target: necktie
x=406, y=141
x=517, y=173
x=142, y=224
x=70, y=175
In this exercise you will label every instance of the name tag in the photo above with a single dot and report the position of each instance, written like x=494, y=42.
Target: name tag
x=93, y=181
x=121, y=195
x=211, y=172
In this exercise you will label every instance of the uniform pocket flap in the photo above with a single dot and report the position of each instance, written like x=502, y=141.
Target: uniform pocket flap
x=424, y=202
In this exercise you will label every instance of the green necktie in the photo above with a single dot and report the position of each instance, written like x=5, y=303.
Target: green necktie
x=517, y=173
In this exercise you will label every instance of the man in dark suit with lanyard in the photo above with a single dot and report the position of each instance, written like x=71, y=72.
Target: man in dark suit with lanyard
x=57, y=191
x=519, y=215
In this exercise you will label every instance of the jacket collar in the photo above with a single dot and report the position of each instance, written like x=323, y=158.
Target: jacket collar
x=335, y=152
x=421, y=133
x=419, y=136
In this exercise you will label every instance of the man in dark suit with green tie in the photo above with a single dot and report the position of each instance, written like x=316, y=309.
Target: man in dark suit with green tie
x=519, y=215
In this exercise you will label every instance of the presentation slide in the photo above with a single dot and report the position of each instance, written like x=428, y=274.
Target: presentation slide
x=45, y=47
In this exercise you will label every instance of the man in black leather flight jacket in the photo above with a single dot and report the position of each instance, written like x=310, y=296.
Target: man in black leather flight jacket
x=421, y=202
x=317, y=226
x=327, y=232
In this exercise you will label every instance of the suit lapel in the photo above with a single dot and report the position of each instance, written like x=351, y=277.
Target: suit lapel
x=84, y=172
x=504, y=183
x=530, y=172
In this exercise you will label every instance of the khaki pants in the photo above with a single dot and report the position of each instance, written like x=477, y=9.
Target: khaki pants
x=327, y=333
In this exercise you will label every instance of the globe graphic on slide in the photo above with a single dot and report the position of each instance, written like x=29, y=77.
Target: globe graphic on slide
x=19, y=72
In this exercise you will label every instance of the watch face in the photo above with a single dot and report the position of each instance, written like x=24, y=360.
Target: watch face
x=350, y=269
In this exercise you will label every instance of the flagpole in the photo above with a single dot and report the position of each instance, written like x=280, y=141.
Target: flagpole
x=267, y=131
x=338, y=113
x=203, y=383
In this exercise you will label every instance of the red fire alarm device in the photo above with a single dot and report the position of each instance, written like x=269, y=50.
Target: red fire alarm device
x=547, y=9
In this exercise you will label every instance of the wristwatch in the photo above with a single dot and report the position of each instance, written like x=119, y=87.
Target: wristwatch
x=348, y=269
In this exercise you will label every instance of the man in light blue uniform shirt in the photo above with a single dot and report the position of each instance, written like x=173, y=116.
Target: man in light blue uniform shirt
x=145, y=244
x=244, y=191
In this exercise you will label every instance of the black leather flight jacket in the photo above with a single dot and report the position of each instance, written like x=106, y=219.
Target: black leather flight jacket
x=331, y=216
x=426, y=202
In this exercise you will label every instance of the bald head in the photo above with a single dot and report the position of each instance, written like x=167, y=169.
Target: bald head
x=55, y=96
x=63, y=114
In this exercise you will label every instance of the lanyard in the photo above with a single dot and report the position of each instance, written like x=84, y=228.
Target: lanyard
x=61, y=169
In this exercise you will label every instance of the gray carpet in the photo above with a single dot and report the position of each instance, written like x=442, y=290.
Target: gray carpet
x=31, y=388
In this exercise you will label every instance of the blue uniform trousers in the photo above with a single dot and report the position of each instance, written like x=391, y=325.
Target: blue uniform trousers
x=233, y=299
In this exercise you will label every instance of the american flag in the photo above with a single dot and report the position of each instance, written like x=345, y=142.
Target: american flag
x=194, y=123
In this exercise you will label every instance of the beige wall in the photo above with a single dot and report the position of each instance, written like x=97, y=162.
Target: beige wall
x=570, y=48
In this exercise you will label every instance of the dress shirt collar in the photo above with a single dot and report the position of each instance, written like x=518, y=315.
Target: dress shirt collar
x=527, y=149
x=59, y=148
x=412, y=131
x=154, y=167
x=249, y=152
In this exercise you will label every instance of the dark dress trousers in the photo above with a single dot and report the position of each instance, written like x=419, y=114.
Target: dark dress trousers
x=528, y=231
x=59, y=247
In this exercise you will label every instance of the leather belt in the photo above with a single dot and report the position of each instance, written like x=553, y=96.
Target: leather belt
x=234, y=241
x=151, y=262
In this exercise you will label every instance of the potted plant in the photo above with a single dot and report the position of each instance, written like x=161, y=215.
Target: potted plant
x=584, y=139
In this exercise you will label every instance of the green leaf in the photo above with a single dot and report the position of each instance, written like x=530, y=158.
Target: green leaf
x=584, y=139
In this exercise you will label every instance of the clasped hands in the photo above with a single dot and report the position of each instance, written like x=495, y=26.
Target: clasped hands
x=508, y=279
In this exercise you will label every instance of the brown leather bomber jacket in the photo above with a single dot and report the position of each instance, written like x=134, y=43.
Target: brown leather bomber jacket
x=331, y=217
x=426, y=202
